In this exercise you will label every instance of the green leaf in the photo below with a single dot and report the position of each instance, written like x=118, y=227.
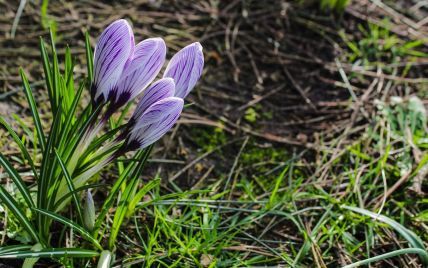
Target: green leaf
x=47, y=70
x=21, y=146
x=33, y=108
x=48, y=180
x=20, y=215
x=141, y=193
x=70, y=187
x=30, y=262
x=70, y=118
x=105, y=259
x=422, y=254
x=142, y=157
x=78, y=190
x=89, y=57
x=70, y=224
x=410, y=236
x=16, y=178
x=7, y=249
x=50, y=253
x=127, y=197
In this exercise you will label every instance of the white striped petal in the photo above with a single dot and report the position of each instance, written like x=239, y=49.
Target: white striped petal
x=185, y=68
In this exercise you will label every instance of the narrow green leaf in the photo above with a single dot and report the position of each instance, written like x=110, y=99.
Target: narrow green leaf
x=70, y=118
x=33, y=107
x=89, y=57
x=16, y=178
x=21, y=146
x=410, y=236
x=70, y=187
x=72, y=225
x=30, y=262
x=47, y=70
x=127, y=198
x=105, y=259
x=142, y=157
x=51, y=253
x=78, y=190
x=48, y=180
x=141, y=193
x=422, y=253
x=7, y=249
x=20, y=215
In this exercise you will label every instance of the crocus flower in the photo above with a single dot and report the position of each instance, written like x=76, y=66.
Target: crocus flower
x=141, y=69
x=112, y=51
x=121, y=69
x=185, y=68
x=153, y=123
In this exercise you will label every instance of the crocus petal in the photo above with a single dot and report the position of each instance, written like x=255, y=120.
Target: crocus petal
x=155, y=122
x=158, y=110
x=185, y=68
x=141, y=69
x=159, y=90
x=112, y=51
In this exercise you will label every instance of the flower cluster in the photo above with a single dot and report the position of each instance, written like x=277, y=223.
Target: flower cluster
x=123, y=70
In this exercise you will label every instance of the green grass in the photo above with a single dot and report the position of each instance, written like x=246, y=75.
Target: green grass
x=353, y=200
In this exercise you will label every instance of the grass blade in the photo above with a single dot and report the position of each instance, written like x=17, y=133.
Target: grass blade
x=14, y=248
x=70, y=187
x=51, y=253
x=410, y=236
x=422, y=253
x=33, y=108
x=16, y=178
x=21, y=146
x=47, y=70
x=89, y=57
x=78, y=190
x=72, y=225
x=20, y=215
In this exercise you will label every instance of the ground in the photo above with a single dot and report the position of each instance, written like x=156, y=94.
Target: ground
x=301, y=111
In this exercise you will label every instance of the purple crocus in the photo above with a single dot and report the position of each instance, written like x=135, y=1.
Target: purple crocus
x=112, y=51
x=153, y=123
x=185, y=68
x=155, y=114
x=141, y=69
x=122, y=70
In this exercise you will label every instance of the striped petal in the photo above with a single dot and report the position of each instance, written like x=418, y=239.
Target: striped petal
x=112, y=51
x=140, y=70
x=155, y=122
x=185, y=68
x=162, y=89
